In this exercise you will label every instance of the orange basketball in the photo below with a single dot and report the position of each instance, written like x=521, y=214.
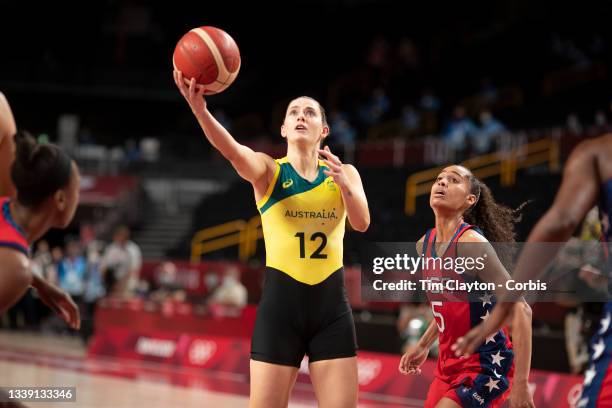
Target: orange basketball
x=209, y=55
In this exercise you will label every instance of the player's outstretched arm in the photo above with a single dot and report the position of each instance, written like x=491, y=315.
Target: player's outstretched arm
x=250, y=165
x=576, y=196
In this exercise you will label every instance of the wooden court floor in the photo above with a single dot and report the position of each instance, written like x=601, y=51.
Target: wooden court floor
x=40, y=361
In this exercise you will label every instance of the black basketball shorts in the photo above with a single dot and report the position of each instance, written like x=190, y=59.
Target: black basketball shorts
x=295, y=319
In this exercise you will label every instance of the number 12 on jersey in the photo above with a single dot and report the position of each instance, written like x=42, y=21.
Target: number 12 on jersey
x=317, y=253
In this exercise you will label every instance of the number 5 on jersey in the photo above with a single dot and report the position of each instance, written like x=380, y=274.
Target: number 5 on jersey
x=438, y=316
x=317, y=253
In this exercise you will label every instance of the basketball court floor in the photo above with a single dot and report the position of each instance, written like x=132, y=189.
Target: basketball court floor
x=37, y=360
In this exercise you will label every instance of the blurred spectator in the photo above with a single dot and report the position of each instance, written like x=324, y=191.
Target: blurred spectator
x=378, y=57
x=341, y=128
x=573, y=124
x=411, y=120
x=231, y=296
x=57, y=254
x=86, y=137
x=489, y=128
x=569, y=52
x=132, y=154
x=429, y=101
x=43, y=138
x=43, y=263
x=373, y=110
x=168, y=285
x=459, y=130
x=94, y=285
x=121, y=264
x=343, y=135
x=149, y=148
x=71, y=271
x=116, y=158
x=87, y=233
x=408, y=55
x=94, y=289
x=44, y=266
x=488, y=92
x=601, y=123
x=211, y=281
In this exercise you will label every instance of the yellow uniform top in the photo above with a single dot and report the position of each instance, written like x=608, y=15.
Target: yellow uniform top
x=303, y=224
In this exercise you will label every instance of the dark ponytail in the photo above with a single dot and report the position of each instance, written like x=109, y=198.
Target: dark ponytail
x=38, y=170
x=25, y=148
x=495, y=220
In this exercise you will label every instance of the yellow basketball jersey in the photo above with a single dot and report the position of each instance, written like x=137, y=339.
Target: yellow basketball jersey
x=303, y=224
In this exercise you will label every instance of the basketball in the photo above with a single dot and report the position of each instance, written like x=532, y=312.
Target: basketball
x=210, y=55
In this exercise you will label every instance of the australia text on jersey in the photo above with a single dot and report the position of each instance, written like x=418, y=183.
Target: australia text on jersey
x=323, y=214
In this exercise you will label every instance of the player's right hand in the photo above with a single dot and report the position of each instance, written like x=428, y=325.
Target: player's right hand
x=193, y=93
x=412, y=359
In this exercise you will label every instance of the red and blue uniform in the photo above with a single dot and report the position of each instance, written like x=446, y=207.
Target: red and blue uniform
x=597, y=391
x=11, y=234
x=482, y=379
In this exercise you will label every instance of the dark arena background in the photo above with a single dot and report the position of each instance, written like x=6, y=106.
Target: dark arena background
x=508, y=87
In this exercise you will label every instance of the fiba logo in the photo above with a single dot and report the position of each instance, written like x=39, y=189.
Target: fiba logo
x=201, y=351
x=367, y=370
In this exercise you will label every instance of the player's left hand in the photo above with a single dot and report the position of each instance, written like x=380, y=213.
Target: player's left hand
x=336, y=168
x=466, y=345
x=521, y=396
x=61, y=303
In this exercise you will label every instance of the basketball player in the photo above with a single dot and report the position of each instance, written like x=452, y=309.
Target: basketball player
x=47, y=186
x=462, y=205
x=587, y=178
x=303, y=203
x=47, y=183
x=7, y=147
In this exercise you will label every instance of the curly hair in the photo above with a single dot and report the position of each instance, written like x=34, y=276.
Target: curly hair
x=496, y=221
